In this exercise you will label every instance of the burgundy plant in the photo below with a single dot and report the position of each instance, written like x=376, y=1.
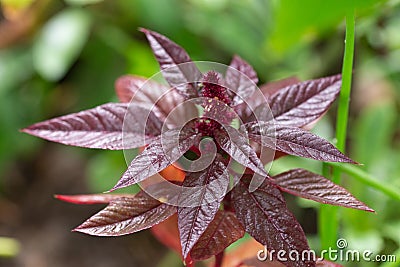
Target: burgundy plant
x=208, y=227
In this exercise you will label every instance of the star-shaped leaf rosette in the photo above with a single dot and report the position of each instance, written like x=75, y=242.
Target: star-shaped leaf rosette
x=220, y=130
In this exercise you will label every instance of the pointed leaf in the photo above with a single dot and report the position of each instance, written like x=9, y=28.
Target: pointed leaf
x=161, y=153
x=193, y=219
x=295, y=141
x=127, y=215
x=236, y=145
x=101, y=127
x=312, y=186
x=89, y=199
x=241, y=79
x=171, y=57
x=303, y=103
x=158, y=98
x=258, y=109
x=129, y=86
x=265, y=217
x=220, y=233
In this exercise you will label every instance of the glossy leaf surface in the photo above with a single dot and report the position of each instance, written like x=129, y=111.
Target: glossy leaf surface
x=302, y=103
x=265, y=217
x=171, y=57
x=242, y=79
x=315, y=187
x=220, y=233
x=161, y=100
x=101, y=127
x=202, y=206
x=273, y=87
x=127, y=215
x=161, y=153
x=295, y=141
x=236, y=145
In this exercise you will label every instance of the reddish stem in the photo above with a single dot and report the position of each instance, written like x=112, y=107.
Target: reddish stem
x=218, y=259
x=189, y=262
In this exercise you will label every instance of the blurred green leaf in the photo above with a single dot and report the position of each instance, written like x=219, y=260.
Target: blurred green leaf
x=392, y=230
x=362, y=241
x=60, y=43
x=9, y=247
x=298, y=21
x=171, y=258
x=373, y=132
x=105, y=169
x=17, y=4
x=12, y=62
x=82, y=2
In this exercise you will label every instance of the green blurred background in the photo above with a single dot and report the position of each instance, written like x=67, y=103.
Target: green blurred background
x=58, y=57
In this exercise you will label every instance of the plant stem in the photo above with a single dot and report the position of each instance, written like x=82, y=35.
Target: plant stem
x=218, y=259
x=328, y=215
x=367, y=179
x=347, y=71
x=327, y=222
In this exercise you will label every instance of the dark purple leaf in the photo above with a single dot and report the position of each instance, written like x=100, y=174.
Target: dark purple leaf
x=265, y=217
x=158, y=155
x=221, y=232
x=126, y=215
x=101, y=127
x=255, y=108
x=89, y=199
x=302, y=103
x=312, y=186
x=241, y=79
x=236, y=145
x=171, y=57
x=199, y=206
x=156, y=97
x=295, y=141
x=273, y=87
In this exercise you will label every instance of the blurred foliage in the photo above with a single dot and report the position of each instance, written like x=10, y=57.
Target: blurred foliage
x=9, y=247
x=58, y=57
x=60, y=42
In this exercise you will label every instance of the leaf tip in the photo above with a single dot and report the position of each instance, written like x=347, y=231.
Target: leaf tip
x=27, y=130
x=77, y=230
x=109, y=191
x=65, y=198
x=371, y=210
x=144, y=30
x=117, y=186
x=236, y=57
